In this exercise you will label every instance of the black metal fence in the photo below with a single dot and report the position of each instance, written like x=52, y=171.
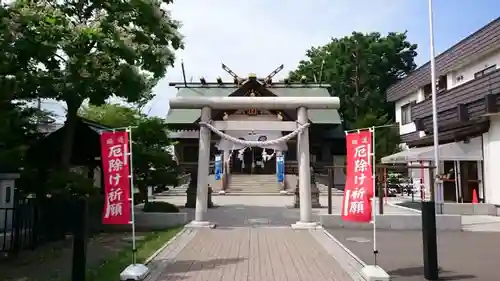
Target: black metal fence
x=17, y=227
x=30, y=223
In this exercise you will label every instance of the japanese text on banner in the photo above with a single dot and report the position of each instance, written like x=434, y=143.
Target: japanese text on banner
x=359, y=181
x=116, y=173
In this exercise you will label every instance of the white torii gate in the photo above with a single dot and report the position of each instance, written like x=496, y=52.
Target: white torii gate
x=301, y=104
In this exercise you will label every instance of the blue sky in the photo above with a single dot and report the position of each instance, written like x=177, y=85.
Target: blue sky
x=255, y=36
x=453, y=21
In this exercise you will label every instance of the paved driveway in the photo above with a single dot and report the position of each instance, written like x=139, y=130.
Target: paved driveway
x=248, y=253
x=237, y=211
x=467, y=256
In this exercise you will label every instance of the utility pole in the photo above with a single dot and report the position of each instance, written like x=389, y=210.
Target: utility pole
x=429, y=236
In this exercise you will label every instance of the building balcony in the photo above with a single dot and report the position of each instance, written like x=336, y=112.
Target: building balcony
x=469, y=101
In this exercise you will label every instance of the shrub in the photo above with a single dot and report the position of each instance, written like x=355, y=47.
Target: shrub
x=139, y=198
x=160, y=207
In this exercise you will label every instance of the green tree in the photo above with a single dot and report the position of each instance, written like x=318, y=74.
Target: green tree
x=360, y=68
x=17, y=122
x=18, y=129
x=74, y=51
x=153, y=163
x=386, y=138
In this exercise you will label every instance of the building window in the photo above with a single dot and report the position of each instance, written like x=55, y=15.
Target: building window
x=485, y=71
x=427, y=91
x=442, y=84
x=405, y=114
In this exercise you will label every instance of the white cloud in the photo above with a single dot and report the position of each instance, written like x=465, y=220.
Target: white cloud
x=257, y=36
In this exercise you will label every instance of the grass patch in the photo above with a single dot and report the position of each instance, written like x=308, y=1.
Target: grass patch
x=111, y=269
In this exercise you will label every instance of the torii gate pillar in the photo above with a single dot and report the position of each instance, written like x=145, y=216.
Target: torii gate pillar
x=301, y=104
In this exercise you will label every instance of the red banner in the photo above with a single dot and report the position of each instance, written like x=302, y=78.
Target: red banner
x=116, y=170
x=356, y=205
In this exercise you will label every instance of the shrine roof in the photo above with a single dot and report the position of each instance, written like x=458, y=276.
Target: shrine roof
x=189, y=116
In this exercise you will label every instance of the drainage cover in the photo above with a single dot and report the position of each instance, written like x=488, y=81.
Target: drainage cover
x=358, y=239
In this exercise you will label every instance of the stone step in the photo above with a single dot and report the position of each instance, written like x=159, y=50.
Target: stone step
x=271, y=189
x=229, y=193
x=246, y=180
x=252, y=184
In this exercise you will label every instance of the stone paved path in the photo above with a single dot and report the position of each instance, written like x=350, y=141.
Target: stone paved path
x=248, y=253
x=243, y=210
x=254, y=242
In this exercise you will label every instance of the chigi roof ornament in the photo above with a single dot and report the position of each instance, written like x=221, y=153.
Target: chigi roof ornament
x=239, y=81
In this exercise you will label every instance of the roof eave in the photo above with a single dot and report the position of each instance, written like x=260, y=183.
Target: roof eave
x=226, y=85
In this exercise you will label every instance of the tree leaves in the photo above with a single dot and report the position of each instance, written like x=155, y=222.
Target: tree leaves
x=18, y=129
x=76, y=50
x=360, y=68
x=380, y=62
x=153, y=165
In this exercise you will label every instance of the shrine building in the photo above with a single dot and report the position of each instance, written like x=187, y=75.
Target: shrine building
x=253, y=169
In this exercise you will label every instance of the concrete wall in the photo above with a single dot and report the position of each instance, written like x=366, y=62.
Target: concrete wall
x=466, y=73
x=491, y=152
x=469, y=209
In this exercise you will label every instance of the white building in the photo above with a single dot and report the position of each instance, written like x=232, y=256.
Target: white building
x=468, y=117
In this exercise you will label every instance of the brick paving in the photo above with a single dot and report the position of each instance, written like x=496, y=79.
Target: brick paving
x=248, y=253
x=463, y=256
x=254, y=242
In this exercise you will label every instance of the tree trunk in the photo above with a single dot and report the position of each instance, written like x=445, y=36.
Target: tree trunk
x=69, y=135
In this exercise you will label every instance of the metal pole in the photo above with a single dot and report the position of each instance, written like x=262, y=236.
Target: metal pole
x=435, y=131
x=330, y=186
x=119, y=128
x=429, y=237
x=374, y=198
x=459, y=177
x=373, y=127
x=134, y=249
x=456, y=180
x=381, y=193
x=80, y=240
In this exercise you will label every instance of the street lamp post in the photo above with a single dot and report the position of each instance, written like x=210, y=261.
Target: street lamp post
x=429, y=237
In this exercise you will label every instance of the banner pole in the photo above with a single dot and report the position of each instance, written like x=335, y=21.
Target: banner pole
x=374, y=199
x=372, y=127
x=132, y=189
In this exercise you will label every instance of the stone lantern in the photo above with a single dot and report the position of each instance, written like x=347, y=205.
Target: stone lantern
x=314, y=192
